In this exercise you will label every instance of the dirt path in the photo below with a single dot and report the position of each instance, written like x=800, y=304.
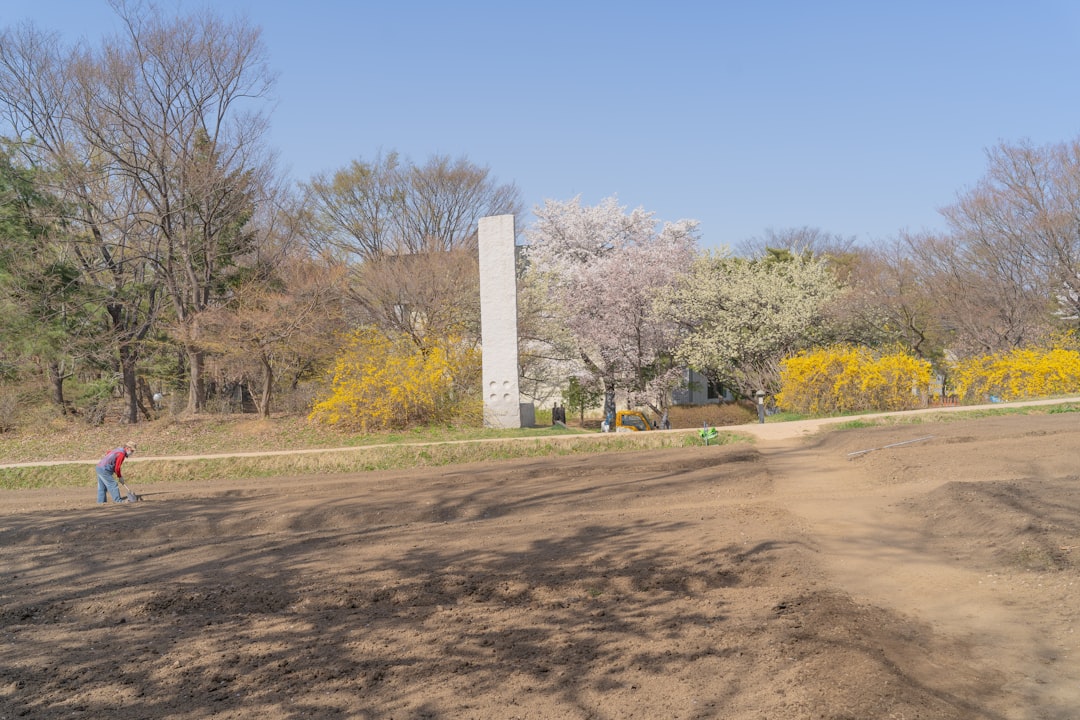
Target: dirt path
x=932, y=577
x=881, y=539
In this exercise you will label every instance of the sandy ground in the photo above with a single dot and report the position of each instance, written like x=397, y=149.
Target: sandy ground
x=926, y=571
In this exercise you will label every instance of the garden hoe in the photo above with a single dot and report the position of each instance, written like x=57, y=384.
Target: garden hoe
x=131, y=496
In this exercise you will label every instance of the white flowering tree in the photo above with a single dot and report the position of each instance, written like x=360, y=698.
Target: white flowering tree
x=742, y=316
x=603, y=268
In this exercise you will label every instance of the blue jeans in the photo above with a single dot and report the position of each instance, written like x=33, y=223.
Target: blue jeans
x=107, y=482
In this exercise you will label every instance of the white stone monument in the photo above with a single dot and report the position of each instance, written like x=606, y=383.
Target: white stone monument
x=498, y=322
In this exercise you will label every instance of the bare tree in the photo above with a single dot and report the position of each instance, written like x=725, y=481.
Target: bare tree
x=1029, y=203
x=445, y=200
x=1013, y=256
x=173, y=109
x=285, y=313
x=984, y=294
x=798, y=240
x=423, y=294
x=887, y=299
x=357, y=209
x=275, y=324
x=390, y=206
x=408, y=235
x=154, y=142
x=42, y=100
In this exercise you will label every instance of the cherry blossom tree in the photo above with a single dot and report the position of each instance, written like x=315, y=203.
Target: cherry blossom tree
x=743, y=316
x=603, y=268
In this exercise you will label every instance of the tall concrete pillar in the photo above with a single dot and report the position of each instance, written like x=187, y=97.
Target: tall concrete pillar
x=498, y=322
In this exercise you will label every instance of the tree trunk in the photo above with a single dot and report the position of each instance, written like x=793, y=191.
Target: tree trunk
x=196, y=382
x=267, y=387
x=56, y=381
x=143, y=396
x=609, y=401
x=128, y=360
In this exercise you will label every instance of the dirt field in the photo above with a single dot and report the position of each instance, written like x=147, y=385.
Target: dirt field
x=934, y=576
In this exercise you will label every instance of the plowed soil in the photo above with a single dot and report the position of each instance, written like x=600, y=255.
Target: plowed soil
x=922, y=571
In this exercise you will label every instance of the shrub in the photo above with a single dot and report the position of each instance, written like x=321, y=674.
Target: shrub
x=845, y=378
x=387, y=382
x=1018, y=374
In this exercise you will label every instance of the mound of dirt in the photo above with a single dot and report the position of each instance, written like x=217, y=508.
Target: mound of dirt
x=1030, y=524
x=921, y=572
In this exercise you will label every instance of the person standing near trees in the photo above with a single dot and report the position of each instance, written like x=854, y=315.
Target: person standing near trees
x=108, y=472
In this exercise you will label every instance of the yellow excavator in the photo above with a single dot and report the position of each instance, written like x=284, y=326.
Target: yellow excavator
x=631, y=421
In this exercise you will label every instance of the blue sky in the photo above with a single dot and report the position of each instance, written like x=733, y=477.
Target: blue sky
x=858, y=118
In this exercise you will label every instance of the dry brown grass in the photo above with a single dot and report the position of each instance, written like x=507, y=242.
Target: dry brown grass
x=686, y=417
x=196, y=447
x=694, y=416
x=319, y=461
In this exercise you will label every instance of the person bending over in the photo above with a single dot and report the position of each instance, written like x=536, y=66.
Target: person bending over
x=108, y=472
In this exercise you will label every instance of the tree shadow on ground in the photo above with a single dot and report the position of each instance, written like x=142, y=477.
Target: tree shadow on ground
x=382, y=601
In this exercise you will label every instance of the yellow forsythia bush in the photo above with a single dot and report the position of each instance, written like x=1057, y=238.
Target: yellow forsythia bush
x=385, y=382
x=844, y=378
x=1018, y=374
